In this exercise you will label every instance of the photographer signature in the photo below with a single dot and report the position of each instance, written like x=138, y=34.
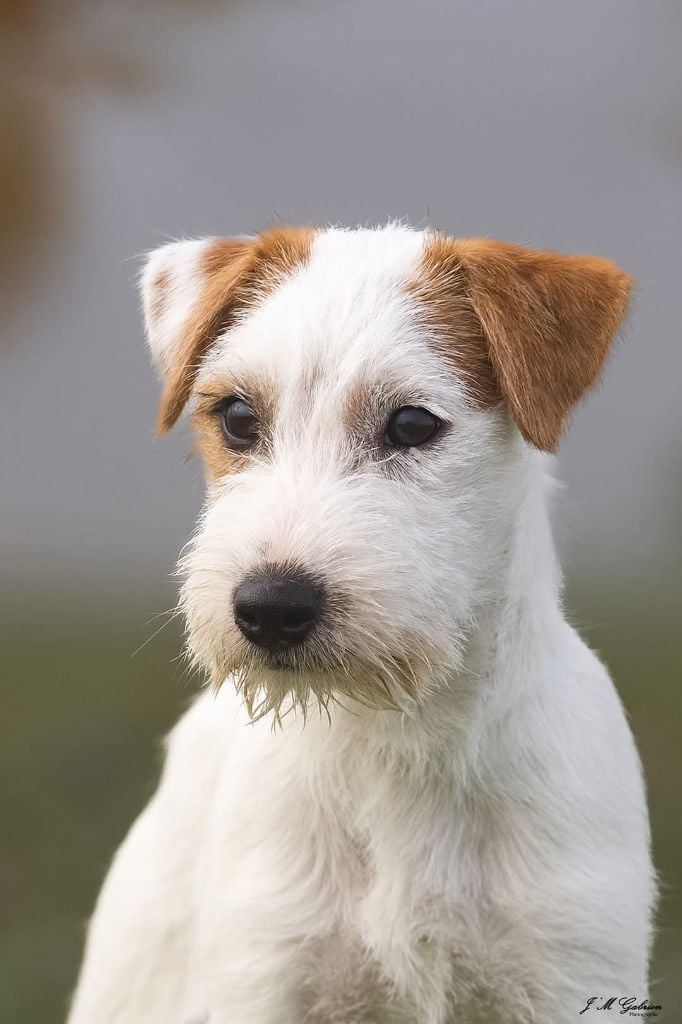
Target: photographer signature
x=622, y=1005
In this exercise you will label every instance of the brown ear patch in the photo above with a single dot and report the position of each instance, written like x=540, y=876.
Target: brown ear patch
x=545, y=323
x=440, y=289
x=237, y=274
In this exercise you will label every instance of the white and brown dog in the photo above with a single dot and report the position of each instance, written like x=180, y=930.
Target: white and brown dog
x=447, y=823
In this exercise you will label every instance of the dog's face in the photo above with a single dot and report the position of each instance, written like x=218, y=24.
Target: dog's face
x=363, y=402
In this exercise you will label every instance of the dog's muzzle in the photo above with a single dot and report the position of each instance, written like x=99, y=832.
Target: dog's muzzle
x=277, y=610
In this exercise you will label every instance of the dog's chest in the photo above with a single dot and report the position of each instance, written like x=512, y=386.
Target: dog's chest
x=367, y=892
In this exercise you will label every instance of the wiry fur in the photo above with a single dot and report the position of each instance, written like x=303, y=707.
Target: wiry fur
x=449, y=825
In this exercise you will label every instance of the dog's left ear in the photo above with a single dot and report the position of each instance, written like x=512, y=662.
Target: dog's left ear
x=547, y=320
x=194, y=291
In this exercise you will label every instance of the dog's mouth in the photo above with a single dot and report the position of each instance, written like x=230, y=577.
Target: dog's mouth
x=318, y=654
x=290, y=659
x=321, y=672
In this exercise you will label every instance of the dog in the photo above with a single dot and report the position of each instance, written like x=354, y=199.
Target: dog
x=411, y=795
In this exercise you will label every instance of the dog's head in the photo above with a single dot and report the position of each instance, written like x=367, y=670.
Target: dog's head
x=364, y=402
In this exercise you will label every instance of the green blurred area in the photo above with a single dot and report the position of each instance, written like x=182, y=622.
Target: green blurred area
x=80, y=753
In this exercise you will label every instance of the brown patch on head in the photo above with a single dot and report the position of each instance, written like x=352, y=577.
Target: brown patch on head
x=279, y=252
x=237, y=274
x=528, y=326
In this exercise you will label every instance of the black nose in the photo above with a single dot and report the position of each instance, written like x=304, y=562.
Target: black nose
x=277, y=610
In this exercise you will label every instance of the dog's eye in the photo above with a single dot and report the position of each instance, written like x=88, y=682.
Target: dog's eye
x=411, y=426
x=239, y=422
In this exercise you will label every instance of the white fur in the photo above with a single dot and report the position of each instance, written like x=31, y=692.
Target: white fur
x=480, y=856
x=167, y=309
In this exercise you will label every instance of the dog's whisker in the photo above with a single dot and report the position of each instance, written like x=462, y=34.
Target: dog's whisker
x=156, y=632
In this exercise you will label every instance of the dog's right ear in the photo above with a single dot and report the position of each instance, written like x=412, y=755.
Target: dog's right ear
x=193, y=291
x=190, y=293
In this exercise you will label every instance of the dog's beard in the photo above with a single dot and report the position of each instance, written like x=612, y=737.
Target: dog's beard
x=318, y=673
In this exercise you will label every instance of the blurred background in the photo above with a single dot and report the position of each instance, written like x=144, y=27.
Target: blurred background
x=124, y=124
